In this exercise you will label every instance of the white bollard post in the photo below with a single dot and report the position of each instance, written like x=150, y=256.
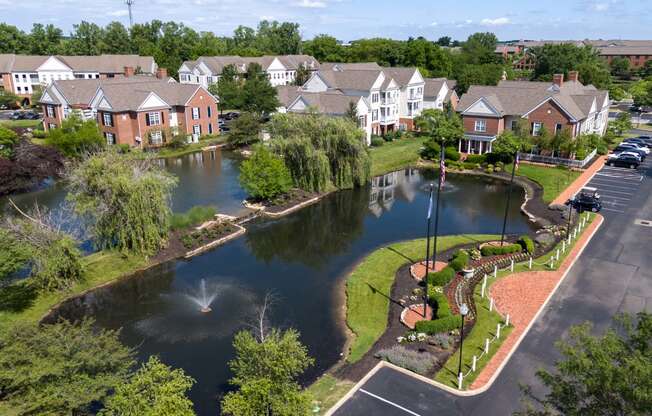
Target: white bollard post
x=460, y=378
x=486, y=345
x=473, y=364
x=569, y=239
x=557, y=256
x=507, y=320
x=575, y=232
x=497, y=330
x=495, y=270
x=511, y=266
x=563, y=246
x=491, y=304
x=530, y=263
x=552, y=262
x=484, y=286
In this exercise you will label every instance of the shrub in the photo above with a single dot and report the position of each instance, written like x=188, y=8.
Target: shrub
x=123, y=148
x=440, y=340
x=439, y=302
x=493, y=158
x=451, y=153
x=377, y=141
x=459, y=260
x=469, y=165
x=76, y=137
x=526, y=243
x=419, y=362
x=442, y=277
x=430, y=150
x=265, y=175
x=476, y=159
x=495, y=251
x=39, y=134
x=439, y=325
x=194, y=216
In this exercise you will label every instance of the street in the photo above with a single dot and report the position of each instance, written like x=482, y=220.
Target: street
x=614, y=274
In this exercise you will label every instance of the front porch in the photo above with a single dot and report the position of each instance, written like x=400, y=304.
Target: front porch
x=474, y=144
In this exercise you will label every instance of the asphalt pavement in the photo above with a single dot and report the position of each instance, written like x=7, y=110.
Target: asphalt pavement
x=613, y=274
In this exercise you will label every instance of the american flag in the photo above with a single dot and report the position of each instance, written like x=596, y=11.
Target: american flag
x=442, y=170
x=516, y=162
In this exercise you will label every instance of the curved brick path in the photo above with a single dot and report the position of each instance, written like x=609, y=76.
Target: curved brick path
x=418, y=270
x=521, y=295
x=581, y=180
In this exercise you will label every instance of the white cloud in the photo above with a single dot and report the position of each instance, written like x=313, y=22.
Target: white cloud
x=311, y=4
x=600, y=7
x=499, y=21
x=434, y=24
x=119, y=13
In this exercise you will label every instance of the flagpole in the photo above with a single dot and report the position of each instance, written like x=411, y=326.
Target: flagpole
x=442, y=175
x=509, y=197
x=425, y=277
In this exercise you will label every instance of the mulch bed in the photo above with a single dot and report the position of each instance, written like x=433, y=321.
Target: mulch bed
x=176, y=247
x=286, y=201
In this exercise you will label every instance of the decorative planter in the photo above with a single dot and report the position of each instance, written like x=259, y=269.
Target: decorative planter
x=468, y=273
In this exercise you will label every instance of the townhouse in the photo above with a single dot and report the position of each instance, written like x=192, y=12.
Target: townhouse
x=561, y=105
x=439, y=92
x=21, y=74
x=280, y=70
x=137, y=110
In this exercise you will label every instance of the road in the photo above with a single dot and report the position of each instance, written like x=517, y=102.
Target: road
x=614, y=274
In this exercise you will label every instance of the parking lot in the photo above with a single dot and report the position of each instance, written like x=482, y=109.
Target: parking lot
x=618, y=186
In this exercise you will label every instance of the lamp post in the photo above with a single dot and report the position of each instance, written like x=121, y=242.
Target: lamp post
x=509, y=197
x=464, y=310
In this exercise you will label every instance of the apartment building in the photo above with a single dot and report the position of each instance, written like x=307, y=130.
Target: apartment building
x=21, y=74
x=561, y=105
x=280, y=70
x=439, y=92
x=137, y=110
x=395, y=95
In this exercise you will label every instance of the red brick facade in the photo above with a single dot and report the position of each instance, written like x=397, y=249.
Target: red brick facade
x=494, y=126
x=635, y=61
x=552, y=118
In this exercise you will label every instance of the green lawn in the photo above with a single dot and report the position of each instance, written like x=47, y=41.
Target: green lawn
x=368, y=287
x=485, y=326
x=553, y=179
x=395, y=155
x=327, y=391
x=22, y=123
x=101, y=267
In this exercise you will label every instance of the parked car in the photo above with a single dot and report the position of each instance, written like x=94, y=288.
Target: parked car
x=624, y=161
x=17, y=115
x=639, y=141
x=30, y=115
x=224, y=128
x=636, y=146
x=625, y=148
x=614, y=155
x=587, y=199
x=231, y=115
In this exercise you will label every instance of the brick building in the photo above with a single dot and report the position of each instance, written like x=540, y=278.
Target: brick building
x=488, y=110
x=140, y=111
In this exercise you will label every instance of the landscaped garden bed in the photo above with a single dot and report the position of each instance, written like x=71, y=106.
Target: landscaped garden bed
x=285, y=202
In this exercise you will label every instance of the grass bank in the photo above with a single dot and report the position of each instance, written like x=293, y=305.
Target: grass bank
x=34, y=124
x=327, y=391
x=18, y=303
x=553, y=179
x=368, y=287
x=395, y=155
x=485, y=326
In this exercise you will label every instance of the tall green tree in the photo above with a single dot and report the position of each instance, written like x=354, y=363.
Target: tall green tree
x=245, y=129
x=325, y=48
x=264, y=176
x=303, y=74
x=44, y=40
x=258, y=95
x=155, y=389
x=620, y=67
x=228, y=88
x=480, y=48
x=85, y=39
x=642, y=92
x=116, y=39
x=60, y=369
x=126, y=199
x=440, y=126
x=12, y=40
x=76, y=137
x=553, y=59
x=8, y=140
x=278, y=38
x=609, y=374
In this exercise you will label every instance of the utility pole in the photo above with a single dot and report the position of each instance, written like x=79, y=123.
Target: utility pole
x=131, y=18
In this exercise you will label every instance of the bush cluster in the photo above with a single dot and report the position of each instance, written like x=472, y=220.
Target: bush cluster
x=194, y=216
x=440, y=305
x=408, y=359
x=526, y=243
x=206, y=234
x=477, y=158
x=459, y=260
x=506, y=249
x=439, y=325
x=377, y=141
x=442, y=277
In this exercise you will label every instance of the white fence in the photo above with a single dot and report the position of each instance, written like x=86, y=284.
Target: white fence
x=550, y=160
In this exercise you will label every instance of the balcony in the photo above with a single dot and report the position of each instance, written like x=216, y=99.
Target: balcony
x=388, y=101
x=415, y=97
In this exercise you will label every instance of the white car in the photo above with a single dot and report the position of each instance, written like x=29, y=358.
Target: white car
x=615, y=155
x=636, y=146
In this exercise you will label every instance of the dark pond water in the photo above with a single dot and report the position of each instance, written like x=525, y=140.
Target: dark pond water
x=299, y=258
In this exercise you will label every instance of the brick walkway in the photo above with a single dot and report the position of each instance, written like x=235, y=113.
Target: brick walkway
x=581, y=180
x=521, y=295
x=413, y=314
x=418, y=270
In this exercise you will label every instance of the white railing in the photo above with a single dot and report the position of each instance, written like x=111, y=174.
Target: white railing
x=550, y=160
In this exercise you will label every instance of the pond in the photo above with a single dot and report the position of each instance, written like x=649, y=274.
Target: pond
x=300, y=259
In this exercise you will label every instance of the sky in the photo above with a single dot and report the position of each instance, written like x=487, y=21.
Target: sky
x=353, y=19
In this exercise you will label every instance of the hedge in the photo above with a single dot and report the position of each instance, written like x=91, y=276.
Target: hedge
x=476, y=159
x=377, y=141
x=442, y=277
x=495, y=251
x=440, y=303
x=459, y=260
x=439, y=325
x=526, y=243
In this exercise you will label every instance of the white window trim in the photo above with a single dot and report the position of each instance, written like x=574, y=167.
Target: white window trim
x=154, y=118
x=480, y=126
x=536, y=128
x=195, y=113
x=108, y=121
x=156, y=137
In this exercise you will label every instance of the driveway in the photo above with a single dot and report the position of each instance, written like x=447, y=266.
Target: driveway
x=614, y=274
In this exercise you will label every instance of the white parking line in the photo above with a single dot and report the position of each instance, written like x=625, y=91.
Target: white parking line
x=615, y=197
x=620, y=176
x=388, y=402
x=609, y=181
x=612, y=210
x=609, y=191
x=626, y=186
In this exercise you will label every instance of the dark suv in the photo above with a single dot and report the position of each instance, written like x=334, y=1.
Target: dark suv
x=587, y=199
x=624, y=161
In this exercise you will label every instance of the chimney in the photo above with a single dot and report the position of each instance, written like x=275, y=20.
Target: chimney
x=558, y=79
x=129, y=71
x=161, y=73
x=573, y=76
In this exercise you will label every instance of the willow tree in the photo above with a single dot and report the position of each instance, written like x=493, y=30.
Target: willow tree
x=126, y=200
x=321, y=151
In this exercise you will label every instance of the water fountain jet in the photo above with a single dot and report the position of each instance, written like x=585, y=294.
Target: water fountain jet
x=203, y=299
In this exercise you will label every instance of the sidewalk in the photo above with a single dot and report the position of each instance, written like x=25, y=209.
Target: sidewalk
x=579, y=183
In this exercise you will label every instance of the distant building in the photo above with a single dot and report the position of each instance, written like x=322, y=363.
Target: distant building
x=280, y=70
x=21, y=74
x=439, y=92
x=489, y=110
x=140, y=111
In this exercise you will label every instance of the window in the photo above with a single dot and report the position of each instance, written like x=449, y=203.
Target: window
x=481, y=125
x=156, y=137
x=110, y=138
x=19, y=89
x=536, y=128
x=514, y=125
x=196, y=129
x=107, y=119
x=195, y=113
x=50, y=111
x=24, y=77
x=374, y=98
x=153, y=119
x=558, y=128
x=374, y=115
x=209, y=112
x=16, y=76
x=210, y=128
x=52, y=126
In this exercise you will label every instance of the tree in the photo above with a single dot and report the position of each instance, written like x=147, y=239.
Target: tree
x=85, y=39
x=244, y=130
x=265, y=371
x=228, y=88
x=278, y=38
x=480, y=48
x=155, y=389
x=8, y=139
x=622, y=123
x=325, y=48
x=561, y=58
x=116, y=39
x=12, y=40
x=594, y=73
x=616, y=92
x=444, y=41
x=258, y=95
x=126, y=199
x=483, y=74
x=352, y=112
x=507, y=144
x=13, y=254
x=264, y=175
x=61, y=368
x=440, y=126
x=620, y=67
x=302, y=75
x=8, y=98
x=44, y=40
x=76, y=137
x=642, y=92
x=599, y=375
